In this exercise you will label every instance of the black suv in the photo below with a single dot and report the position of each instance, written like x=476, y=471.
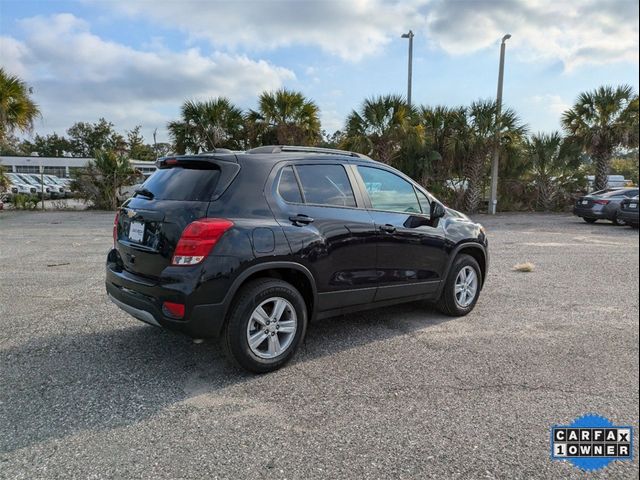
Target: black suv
x=250, y=247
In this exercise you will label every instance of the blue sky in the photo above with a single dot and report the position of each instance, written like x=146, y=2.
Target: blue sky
x=134, y=62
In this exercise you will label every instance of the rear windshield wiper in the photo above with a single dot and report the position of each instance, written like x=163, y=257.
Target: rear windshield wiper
x=145, y=193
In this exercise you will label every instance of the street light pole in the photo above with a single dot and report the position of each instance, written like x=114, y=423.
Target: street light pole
x=493, y=199
x=410, y=36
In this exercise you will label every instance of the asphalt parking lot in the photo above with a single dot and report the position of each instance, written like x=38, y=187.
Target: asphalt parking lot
x=402, y=392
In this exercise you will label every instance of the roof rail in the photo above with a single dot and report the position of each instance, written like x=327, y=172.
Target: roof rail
x=301, y=149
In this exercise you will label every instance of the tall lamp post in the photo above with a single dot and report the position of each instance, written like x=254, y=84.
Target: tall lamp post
x=493, y=199
x=410, y=36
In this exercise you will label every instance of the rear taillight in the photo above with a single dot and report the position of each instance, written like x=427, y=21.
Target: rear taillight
x=601, y=202
x=115, y=229
x=198, y=239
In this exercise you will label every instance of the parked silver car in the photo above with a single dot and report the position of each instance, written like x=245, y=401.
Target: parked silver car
x=603, y=205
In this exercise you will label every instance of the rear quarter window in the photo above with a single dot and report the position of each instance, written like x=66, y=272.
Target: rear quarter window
x=187, y=184
x=288, y=186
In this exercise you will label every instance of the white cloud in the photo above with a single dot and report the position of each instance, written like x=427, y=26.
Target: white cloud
x=555, y=104
x=78, y=75
x=349, y=29
x=574, y=32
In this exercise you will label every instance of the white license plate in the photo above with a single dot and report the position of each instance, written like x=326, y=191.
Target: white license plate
x=585, y=202
x=633, y=205
x=136, y=232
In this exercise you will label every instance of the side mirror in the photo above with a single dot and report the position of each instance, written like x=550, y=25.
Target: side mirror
x=437, y=210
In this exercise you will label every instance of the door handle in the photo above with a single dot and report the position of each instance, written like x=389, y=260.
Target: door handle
x=301, y=219
x=388, y=228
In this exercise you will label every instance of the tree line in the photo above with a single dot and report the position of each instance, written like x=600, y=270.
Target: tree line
x=447, y=149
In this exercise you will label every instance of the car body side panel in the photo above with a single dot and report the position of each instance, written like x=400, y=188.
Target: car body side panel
x=337, y=246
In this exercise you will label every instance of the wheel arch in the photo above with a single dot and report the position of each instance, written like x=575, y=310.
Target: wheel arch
x=294, y=273
x=477, y=251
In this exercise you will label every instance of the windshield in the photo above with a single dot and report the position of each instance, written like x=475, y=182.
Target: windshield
x=29, y=180
x=14, y=178
x=53, y=180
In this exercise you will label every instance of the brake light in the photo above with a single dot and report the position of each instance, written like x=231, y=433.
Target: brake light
x=175, y=310
x=115, y=229
x=198, y=239
x=601, y=202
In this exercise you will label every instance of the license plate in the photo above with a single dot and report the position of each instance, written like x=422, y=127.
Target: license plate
x=585, y=202
x=136, y=232
x=633, y=205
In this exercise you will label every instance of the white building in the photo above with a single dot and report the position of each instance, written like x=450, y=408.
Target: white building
x=61, y=166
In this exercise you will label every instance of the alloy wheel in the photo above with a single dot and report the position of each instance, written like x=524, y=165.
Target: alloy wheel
x=466, y=286
x=272, y=327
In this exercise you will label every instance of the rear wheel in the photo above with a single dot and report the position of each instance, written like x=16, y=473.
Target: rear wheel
x=266, y=324
x=462, y=287
x=618, y=221
x=590, y=220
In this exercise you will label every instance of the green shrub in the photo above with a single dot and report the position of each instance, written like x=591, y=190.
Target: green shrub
x=25, y=202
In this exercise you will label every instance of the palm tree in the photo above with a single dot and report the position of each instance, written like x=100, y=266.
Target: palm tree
x=380, y=127
x=103, y=177
x=206, y=125
x=554, y=162
x=284, y=117
x=17, y=110
x=440, y=125
x=475, y=139
x=601, y=121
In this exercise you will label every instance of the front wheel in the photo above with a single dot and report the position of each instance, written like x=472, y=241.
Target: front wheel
x=266, y=323
x=462, y=287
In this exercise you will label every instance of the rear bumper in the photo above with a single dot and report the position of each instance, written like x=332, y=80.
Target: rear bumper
x=630, y=217
x=143, y=301
x=589, y=213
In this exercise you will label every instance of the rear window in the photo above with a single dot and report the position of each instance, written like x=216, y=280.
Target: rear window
x=178, y=183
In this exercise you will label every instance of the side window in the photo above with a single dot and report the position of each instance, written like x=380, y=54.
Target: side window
x=288, y=186
x=388, y=191
x=326, y=185
x=425, y=204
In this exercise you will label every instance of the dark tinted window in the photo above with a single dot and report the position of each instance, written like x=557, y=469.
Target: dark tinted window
x=193, y=184
x=631, y=193
x=288, y=187
x=326, y=185
x=388, y=191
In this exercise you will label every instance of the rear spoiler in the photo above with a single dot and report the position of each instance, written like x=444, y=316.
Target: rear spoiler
x=226, y=163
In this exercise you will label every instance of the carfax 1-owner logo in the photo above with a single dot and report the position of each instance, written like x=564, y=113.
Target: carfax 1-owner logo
x=591, y=442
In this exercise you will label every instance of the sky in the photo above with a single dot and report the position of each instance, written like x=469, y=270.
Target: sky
x=135, y=62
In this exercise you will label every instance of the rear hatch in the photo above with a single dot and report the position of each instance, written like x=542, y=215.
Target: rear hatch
x=150, y=223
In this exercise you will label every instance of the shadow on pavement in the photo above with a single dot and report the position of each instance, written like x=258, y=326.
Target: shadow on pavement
x=55, y=386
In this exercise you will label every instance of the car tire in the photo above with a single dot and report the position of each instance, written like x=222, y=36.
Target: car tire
x=449, y=302
x=617, y=221
x=242, y=325
x=590, y=220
